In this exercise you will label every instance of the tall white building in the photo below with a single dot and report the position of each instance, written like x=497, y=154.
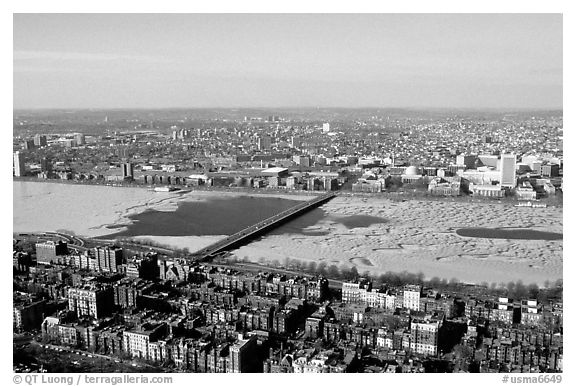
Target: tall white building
x=326, y=128
x=424, y=335
x=412, y=297
x=508, y=170
x=19, y=168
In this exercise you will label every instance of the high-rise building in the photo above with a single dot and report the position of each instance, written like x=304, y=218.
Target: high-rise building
x=264, y=142
x=508, y=170
x=326, y=128
x=46, y=165
x=466, y=160
x=295, y=142
x=108, y=258
x=27, y=313
x=91, y=301
x=46, y=252
x=412, y=297
x=40, y=140
x=28, y=144
x=127, y=170
x=19, y=167
x=80, y=139
x=242, y=355
x=424, y=334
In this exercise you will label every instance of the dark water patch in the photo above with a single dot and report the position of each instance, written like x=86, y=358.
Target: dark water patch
x=298, y=225
x=513, y=234
x=359, y=221
x=218, y=216
x=115, y=226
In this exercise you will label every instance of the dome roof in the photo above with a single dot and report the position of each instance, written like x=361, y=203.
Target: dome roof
x=411, y=171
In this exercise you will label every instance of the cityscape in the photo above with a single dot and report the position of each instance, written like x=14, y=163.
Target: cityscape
x=283, y=239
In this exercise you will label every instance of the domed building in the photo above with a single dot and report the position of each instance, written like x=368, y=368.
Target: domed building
x=411, y=171
x=411, y=174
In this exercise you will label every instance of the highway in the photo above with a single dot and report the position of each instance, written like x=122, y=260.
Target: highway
x=260, y=228
x=73, y=242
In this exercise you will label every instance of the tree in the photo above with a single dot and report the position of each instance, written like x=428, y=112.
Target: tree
x=520, y=290
x=533, y=291
x=349, y=274
x=434, y=282
x=420, y=277
x=453, y=283
x=312, y=267
x=333, y=271
x=383, y=278
x=559, y=283
x=354, y=273
x=462, y=351
x=510, y=288
x=298, y=265
x=321, y=268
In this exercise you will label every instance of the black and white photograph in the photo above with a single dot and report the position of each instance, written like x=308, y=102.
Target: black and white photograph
x=286, y=193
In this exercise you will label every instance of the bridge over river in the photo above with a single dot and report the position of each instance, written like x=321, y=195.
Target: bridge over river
x=241, y=237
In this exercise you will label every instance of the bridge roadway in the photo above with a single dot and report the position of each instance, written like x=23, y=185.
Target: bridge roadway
x=260, y=228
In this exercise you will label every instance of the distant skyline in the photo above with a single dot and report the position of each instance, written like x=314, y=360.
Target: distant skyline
x=288, y=60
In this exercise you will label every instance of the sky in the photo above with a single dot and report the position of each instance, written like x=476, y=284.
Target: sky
x=287, y=60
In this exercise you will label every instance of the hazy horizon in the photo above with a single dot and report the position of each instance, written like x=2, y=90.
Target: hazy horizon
x=280, y=108
x=287, y=61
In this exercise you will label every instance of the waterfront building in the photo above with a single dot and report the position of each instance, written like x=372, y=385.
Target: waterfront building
x=40, y=140
x=80, y=139
x=508, y=170
x=495, y=191
x=46, y=252
x=28, y=144
x=46, y=165
x=449, y=186
x=127, y=170
x=411, y=175
x=19, y=167
x=526, y=192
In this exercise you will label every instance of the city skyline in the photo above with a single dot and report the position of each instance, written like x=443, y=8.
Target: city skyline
x=288, y=60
